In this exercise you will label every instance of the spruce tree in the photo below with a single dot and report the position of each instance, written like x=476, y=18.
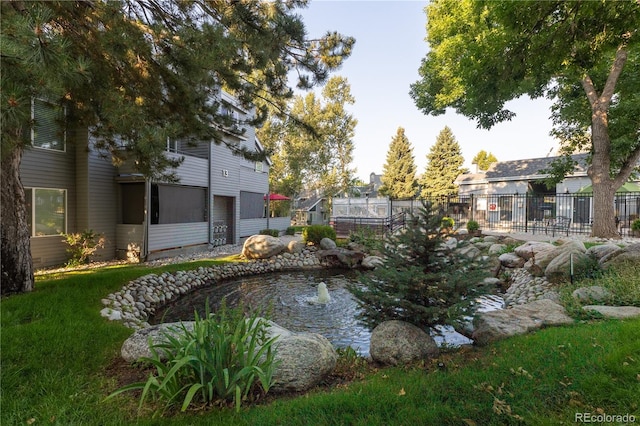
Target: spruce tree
x=399, y=172
x=420, y=281
x=443, y=167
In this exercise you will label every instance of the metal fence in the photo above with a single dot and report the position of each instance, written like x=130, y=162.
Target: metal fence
x=379, y=225
x=528, y=213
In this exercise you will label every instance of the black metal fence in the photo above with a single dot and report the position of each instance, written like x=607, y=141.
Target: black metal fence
x=527, y=213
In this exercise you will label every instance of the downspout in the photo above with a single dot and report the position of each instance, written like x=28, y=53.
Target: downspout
x=210, y=194
x=145, y=225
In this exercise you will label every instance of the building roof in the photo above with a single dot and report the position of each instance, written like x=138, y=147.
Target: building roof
x=306, y=204
x=529, y=168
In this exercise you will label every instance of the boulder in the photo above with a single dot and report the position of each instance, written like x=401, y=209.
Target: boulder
x=295, y=247
x=304, y=360
x=137, y=345
x=617, y=312
x=602, y=250
x=500, y=324
x=496, y=248
x=538, y=265
x=594, y=293
x=511, y=260
x=629, y=254
x=398, y=342
x=470, y=252
x=559, y=269
x=451, y=243
x=533, y=249
x=340, y=257
x=262, y=247
x=371, y=262
x=327, y=244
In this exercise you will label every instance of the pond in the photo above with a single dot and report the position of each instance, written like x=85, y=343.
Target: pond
x=291, y=296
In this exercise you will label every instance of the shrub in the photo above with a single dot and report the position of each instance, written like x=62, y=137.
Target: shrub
x=366, y=237
x=272, y=232
x=315, y=233
x=290, y=231
x=447, y=222
x=635, y=225
x=418, y=282
x=82, y=245
x=472, y=226
x=224, y=357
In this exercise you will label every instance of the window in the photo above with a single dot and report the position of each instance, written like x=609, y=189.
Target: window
x=172, y=145
x=251, y=205
x=48, y=128
x=178, y=204
x=46, y=211
x=259, y=166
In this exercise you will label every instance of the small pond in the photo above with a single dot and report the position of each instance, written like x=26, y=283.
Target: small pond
x=290, y=294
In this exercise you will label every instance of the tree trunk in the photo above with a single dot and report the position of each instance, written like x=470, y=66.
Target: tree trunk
x=604, y=222
x=16, y=269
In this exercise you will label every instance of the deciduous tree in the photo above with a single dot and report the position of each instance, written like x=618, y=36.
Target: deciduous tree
x=584, y=55
x=483, y=160
x=139, y=72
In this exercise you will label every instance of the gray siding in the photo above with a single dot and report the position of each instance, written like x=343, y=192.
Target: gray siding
x=103, y=202
x=176, y=235
x=193, y=171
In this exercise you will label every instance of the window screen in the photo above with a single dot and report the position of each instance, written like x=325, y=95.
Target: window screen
x=46, y=211
x=48, y=127
x=178, y=204
x=251, y=205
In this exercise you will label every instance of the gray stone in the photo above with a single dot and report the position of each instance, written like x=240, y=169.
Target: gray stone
x=629, y=254
x=602, y=250
x=371, y=262
x=451, y=243
x=327, y=244
x=592, y=294
x=500, y=324
x=262, y=247
x=618, y=312
x=559, y=269
x=496, y=248
x=295, y=247
x=470, y=252
x=398, y=342
x=511, y=260
x=137, y=345
x=304, y=360
x=533, y=249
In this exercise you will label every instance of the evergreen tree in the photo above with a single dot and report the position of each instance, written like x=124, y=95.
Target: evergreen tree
x=419, y=282
x=444, y=165
x=399, y=171
x=483, y=160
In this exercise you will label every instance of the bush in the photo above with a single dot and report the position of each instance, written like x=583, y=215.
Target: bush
x=83, y=245
x=272, y=232
x=418, y=282
x=473, y=226
x=224, y=357
x=447, y=222
x=315, y=233
x=290, y=231
x=366, y=237
x=635, y=225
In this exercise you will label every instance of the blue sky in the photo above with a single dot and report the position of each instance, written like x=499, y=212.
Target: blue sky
x=389, y=47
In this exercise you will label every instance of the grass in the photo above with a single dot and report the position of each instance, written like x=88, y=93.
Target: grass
x=58, y=356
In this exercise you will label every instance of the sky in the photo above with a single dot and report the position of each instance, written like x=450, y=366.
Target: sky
x=385, y=61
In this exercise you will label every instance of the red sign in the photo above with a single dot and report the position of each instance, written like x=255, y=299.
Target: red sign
x=493, y=207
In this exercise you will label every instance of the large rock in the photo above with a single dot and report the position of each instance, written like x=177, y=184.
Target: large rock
x=371, y=262
x=629, y=254
x=398, y=342
x=470, y=252
x=511, y=260
x=327, y=244
x=137, y=345
x=304, y=360
x=617, y=312
x=532, y=249
x=295, y=247
x=594, y=293
x=559, y=269
x=602, y=250
x=500, y=324
x=262, y=247
x=340, y=257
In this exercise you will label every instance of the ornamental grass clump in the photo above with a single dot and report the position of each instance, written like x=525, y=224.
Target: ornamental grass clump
x=225, y=358
x=420, y=281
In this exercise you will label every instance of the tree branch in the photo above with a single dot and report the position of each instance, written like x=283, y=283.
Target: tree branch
x=614, y=75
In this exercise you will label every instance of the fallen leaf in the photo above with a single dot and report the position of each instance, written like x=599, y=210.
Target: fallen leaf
x=469, y=422
x=402, y=392
x=31, y=421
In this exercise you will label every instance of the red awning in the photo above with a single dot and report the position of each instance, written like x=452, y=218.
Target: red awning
x=276, y=197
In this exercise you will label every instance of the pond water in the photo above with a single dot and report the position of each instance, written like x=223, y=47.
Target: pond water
x=290, y=295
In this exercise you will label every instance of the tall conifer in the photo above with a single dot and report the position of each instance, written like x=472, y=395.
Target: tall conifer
x=444, y=166
x=399, y=172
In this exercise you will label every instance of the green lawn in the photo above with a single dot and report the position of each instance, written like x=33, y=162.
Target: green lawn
x=57, y=353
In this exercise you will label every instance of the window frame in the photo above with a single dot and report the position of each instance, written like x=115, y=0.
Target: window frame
x=63, y=126
x=32, y=203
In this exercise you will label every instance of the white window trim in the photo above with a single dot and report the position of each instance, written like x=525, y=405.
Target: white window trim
x=33, y=212
x=33, y=130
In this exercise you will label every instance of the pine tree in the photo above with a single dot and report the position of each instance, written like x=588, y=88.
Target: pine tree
x=399, y=172
x=444, y=165
x=419, y=282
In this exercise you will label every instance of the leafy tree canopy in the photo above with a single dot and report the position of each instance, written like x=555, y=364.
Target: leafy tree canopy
x=585, y=56
x=483, y=160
